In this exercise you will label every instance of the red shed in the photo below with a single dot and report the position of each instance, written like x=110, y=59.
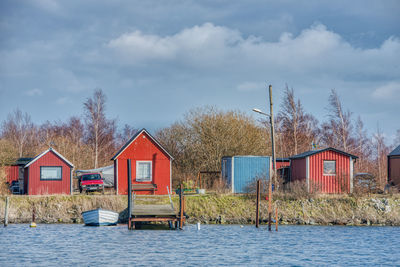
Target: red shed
x=394, y=167
x=325, y=170
x=282, y=163
x=283, y=168
x=47, y=174
x=150, y=166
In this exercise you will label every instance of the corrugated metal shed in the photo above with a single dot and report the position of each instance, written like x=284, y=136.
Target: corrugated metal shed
x=240, y=171
x=282, y=162
x=309, y=167
x=11, y=173
x=394, y=167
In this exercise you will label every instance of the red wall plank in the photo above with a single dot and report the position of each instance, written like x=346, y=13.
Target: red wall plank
x=338, y=183
x=298, y=169
x=12, y=173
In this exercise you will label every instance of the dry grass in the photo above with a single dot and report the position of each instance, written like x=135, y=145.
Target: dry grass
x=218, y=208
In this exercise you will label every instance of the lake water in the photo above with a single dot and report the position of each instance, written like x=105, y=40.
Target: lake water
x=70, y=245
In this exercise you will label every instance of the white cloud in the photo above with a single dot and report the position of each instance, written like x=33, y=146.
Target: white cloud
x=250, y=86
x=315, y=51
x=48, y=5
x=389, y=91
x=33, y=92
x=62, y=100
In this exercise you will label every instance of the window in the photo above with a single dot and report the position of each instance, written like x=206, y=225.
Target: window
x=143, y=171
x=50, y=173
x=329, y=167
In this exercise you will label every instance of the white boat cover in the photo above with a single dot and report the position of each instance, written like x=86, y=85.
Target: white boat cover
x=106, y=172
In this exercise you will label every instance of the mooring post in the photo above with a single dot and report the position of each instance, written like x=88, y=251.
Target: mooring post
x=181, y=207
x=33, y=223
x=269, y=204
x=276, y=219
x=6, y=212
x=258, y=203
x=129, y=194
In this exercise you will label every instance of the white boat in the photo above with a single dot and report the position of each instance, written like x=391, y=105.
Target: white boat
x=100, y=217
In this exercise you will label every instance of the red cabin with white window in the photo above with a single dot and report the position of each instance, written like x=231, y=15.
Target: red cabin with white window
x=47, y=174
x=325, y=170
x=150, y=166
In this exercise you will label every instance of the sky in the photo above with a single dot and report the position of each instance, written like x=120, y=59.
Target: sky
x=156, y=60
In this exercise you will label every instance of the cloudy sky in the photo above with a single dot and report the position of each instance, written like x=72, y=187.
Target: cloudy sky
x=155, y=60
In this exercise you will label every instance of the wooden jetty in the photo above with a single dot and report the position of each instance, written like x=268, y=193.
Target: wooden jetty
x=154, y=213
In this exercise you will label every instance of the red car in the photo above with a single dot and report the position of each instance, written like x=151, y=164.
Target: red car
x=91, y=182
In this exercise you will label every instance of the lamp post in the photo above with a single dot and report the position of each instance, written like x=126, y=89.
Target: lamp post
x=271, y=120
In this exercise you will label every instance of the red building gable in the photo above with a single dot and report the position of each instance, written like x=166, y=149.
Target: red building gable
x=326, y=170
x=150, y=165
x=47, y=174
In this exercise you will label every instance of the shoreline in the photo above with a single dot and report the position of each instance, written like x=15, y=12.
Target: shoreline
x=375, y=210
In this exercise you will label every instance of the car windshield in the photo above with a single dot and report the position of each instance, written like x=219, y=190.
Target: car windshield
x=89, y=177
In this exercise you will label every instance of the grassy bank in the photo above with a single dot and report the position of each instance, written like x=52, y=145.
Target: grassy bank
x=321, y=210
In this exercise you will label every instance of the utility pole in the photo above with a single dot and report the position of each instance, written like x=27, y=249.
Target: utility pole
x=271, y=117
x=273, y=176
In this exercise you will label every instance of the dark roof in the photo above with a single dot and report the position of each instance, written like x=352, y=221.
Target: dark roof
x=313, y=152
x=282, y=159
x=395, y=152
x=23, y=161
x=133, y=139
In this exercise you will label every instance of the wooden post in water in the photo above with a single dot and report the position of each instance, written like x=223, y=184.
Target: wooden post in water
x=6, y=212
x=258, y=203
x=129, y=194
x=33, y=224
x=180, y=207
x=276, y=219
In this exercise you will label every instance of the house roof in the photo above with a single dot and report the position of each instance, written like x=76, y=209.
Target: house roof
x=23, y=161
x=44, y=153
x=134, y=138
x=313, y=152
x=282, y=159
x=395, y=152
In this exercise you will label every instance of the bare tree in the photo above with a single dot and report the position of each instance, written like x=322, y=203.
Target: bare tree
x=381, y=152
x=297, y=128
x=124, y=136
x=18, y=128
x=206, y=135
x=337, y=132
x=362, y=145
x=397, y=138
x=99, y=130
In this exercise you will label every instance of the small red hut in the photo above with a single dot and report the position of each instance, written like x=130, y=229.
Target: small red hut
x=394, y=167
x=325, y=170
x=47, y=174
x=150, y=166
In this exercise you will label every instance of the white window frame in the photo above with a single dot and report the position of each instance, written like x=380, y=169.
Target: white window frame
x=43, y=169
x=149, y=179
x=323, y=168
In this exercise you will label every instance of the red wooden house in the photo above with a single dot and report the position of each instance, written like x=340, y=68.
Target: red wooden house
x=47, y=174
x=394, y=167
x=150, y=166
x=325, y=170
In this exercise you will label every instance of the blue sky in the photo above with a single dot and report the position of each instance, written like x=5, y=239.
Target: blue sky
x=155, y=60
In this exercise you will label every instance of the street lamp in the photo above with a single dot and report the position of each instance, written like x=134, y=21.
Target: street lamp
x=271, y=119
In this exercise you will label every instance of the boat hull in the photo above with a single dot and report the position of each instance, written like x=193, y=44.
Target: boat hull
x=100, y=217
